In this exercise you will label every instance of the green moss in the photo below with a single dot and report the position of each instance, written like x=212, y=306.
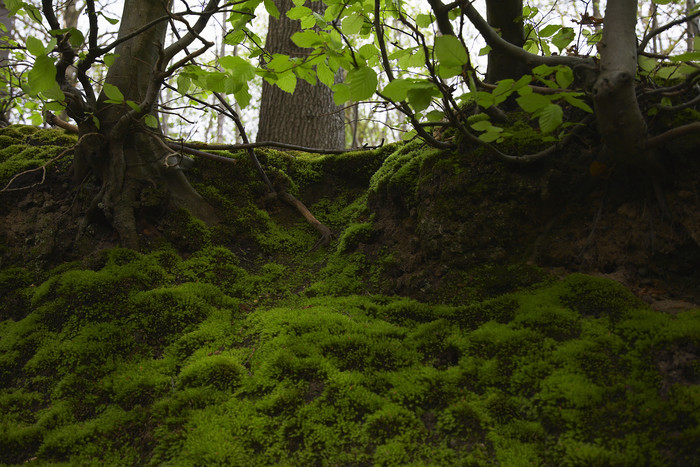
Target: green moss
x=354, y=235
x=219, y=371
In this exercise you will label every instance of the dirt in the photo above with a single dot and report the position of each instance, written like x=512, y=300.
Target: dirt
x=466, y=213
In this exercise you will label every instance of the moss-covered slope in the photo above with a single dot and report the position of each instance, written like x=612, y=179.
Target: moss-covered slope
x=149, y=359
x=236, y=345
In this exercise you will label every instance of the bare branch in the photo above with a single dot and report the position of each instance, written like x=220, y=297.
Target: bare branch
x=497, y=42
x=673, y=133
x=660, y=29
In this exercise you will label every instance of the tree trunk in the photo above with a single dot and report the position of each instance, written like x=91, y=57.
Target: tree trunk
x=308, y=117
x=505, y=16
x=5, y=98
x=127, y=158
x=620, y=120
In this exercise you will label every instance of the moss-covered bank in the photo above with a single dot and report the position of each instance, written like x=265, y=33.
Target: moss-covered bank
x=236, y=345
x=150, y=359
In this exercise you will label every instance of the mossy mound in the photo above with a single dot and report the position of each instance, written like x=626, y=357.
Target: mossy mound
x=151, y=359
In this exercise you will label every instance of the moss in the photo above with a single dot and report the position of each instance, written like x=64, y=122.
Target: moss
x=598, y=297
x=354, y=235
x=186, y=232
x=219, y=371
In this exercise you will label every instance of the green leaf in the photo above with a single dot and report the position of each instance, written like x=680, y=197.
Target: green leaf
x=550, y=117
x=484, y=50
x=563, y=38
x=183, y=84
x=482, y=125
x=111, y=21
x=531, y=46
x=421, y=98
x=42, y=76
x=549, y=30
x=240, y=68
x=14, y=6
x=450, y=51
x=397, y=90
x=35, y=46
x=352, y=24
x=325, y=74
x=306, y=39
x=435, y=115
x=576, y=102
x=150, y=121
x=363, y=83
x=55, y=94
x=423, y=21
x=272, y=9
x=368, y=51
x=287, y=82
x=686, y=57
x=109, y=59
x=504, y=88
x=299, y=12
x=133, y=105
x=564, y=76
x=113, y=93
x=243, y=97
x=532, y=102
x=341, y=93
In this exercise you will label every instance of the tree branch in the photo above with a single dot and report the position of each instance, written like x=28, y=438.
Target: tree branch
x=660, y=29
x=673, y=133
x=497, y=42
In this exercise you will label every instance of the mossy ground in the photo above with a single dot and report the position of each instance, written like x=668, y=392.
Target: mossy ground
x=236, y=345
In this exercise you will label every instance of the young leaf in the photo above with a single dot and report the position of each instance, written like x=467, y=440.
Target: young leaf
x=396, y=90
x=550, y=118
x=113, y=93
x=563, y=38
x=42, y=76
x=306, y=39
x=299, y=12
x=549, y=30
x=35, y=46
x=564, y=76
x=272, y=9
x=352, y=24
x=450, y=51
x=363, y=83
x=109, y=59
x=578, y=103
x=133, y=105
x=150, y=121
x=287, y=82
x=532, y=102
x=341, y=93
x=325, y=75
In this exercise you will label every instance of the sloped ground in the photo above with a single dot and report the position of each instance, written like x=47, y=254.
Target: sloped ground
x=235, y=345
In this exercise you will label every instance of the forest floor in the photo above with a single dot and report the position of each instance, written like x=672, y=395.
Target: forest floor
x=448, y=323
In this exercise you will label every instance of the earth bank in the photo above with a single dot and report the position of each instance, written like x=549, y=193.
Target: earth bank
x=444, y=326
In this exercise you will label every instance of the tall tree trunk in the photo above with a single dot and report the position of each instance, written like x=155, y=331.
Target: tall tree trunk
x=129, y=159
x=5, y=98
x=693, y=28
x=505, y=16
x=308, y=117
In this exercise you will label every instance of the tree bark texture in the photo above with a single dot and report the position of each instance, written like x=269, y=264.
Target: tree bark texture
x=620, y=121
x=308, y=117
x=4, y=63
x=129, y=158
x=505, y=16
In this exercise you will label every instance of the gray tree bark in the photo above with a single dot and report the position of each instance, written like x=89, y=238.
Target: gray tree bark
x=129, y=160
x=4, y=64
x=505, y=17
x=308, y=117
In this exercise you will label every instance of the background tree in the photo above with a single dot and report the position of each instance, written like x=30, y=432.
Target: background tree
x=6, y=32
x=306, y=116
